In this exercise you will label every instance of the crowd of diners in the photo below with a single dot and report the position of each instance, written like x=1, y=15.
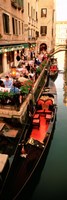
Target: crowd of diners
x=25, y=70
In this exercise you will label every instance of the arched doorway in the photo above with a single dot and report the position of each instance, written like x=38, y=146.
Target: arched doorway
x=43, y=47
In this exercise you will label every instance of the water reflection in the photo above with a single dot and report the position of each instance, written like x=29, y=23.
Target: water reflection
x=65, y=80
x=62, y=65
x=65, y=88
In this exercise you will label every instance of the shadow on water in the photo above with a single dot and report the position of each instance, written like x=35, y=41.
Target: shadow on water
x=29, y=190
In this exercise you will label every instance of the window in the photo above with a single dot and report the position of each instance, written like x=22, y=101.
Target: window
x=29, y=32
x=36, y=16
x=16, y=30
x=6, y=23
x=52, y=32
x=43, y=30
x=14, y=26
x=44, y=12
x=28, y=9
x=37, y=34
x=53, y=15
x=22, y=28
x=19, y=28
x=31, y=12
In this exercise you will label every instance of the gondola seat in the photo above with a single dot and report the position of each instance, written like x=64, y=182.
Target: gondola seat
x=48, y=116
x=36, y=120
x=47, y=111
x=41, y=112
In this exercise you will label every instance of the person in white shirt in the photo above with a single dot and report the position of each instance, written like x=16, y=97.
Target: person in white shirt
x=8, y=82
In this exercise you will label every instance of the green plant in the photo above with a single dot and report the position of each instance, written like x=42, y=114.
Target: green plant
x=1, y=95
x=24, y=89
x=5, y=96
x=38, y=70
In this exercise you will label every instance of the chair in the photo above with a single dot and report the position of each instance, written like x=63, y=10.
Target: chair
x=41, y=112
x=48, y=116
x=39, y=108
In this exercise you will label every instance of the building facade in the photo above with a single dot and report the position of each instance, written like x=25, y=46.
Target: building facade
x=23, y=26
x=46, y=18
x=61, y=32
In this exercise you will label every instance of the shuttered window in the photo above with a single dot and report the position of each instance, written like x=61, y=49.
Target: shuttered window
x=44, y=12
x=15, y=26
x=43, y=30
x=6, y=23
x=28, y=9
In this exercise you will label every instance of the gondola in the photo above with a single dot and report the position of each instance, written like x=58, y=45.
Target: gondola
x=53, y=69
x=11, y=133
x=33, y=145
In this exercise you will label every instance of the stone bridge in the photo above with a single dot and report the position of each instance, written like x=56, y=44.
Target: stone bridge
x=58, y=49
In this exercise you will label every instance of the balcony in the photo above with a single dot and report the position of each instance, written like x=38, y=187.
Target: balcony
x=14, y=3
x=17, y=5
x=37, y=34
x=30, y=37
x=33, y=38
x=22, y=9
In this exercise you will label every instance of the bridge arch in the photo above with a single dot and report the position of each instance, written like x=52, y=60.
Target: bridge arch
x=59, y=49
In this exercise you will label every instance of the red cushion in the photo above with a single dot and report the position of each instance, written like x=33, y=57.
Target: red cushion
x=36, y=116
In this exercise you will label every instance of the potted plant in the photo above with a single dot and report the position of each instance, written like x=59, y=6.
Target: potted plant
x=38, y=70
x=25, y=88
x=3, y=97
x=8, y=98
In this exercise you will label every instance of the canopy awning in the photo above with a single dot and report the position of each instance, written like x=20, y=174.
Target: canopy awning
x=12, y=47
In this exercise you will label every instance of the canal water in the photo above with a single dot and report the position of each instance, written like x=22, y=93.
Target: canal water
x=52, y=181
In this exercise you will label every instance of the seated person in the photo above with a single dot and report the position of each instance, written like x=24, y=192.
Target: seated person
x=28, y=67
x=8, y=82
x=14, y=88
